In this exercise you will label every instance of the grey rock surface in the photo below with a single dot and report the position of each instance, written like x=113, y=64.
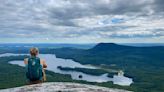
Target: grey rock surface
x=61, y=87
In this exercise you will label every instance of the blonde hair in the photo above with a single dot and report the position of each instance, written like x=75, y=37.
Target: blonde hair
x=34, y=51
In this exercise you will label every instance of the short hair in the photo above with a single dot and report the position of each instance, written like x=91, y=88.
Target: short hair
x=34, y=51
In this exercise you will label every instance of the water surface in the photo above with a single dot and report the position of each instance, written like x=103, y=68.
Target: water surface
x=53, y=62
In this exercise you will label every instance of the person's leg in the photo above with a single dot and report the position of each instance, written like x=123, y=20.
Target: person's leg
x=44, y=75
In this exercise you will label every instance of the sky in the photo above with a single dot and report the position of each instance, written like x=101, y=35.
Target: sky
x=81, y=21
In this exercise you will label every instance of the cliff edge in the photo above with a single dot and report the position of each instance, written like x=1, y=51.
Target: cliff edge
x=61, y=87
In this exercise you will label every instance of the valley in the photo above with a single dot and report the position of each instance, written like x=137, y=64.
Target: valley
x=143, y=64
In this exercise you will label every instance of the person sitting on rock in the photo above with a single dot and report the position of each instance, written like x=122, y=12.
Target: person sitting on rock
x=35, y=66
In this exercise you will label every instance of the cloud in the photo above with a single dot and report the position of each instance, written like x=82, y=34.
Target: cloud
x=68, y=20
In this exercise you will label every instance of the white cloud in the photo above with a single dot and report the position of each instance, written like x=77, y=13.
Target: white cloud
x=82, y=20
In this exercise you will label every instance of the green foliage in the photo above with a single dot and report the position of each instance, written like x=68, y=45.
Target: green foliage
x=144, y=64
x=14, y=75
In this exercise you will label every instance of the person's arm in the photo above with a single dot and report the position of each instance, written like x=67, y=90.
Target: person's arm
x=25, y=61
x=44, y=64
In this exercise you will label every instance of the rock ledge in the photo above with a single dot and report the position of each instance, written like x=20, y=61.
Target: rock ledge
x=61, y=87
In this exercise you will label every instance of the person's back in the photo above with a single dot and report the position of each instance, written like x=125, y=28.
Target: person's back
x=34, y=67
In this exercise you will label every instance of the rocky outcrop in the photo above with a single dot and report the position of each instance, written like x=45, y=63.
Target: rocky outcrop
x=61, y=87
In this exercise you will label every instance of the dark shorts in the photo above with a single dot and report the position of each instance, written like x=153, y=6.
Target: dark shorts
x=34, y=82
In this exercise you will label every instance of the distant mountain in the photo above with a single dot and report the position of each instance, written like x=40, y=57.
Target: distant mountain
x=45, y=45
x=109, y=46
x=143, y=44
x=124, y=49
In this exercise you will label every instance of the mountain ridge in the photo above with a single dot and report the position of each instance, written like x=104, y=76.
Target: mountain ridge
x=106, y=47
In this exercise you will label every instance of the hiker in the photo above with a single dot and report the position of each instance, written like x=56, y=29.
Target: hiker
x=35, y=66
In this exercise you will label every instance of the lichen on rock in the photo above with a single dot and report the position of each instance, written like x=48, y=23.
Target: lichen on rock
x=61, y=87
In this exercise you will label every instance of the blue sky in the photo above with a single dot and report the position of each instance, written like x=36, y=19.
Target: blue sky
x=81, y=21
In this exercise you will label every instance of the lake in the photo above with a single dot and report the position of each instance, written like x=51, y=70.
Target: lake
x=53, y=62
